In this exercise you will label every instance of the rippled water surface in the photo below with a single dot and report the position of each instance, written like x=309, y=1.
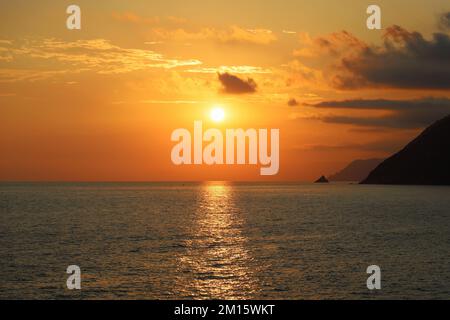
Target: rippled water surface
x=223, y=240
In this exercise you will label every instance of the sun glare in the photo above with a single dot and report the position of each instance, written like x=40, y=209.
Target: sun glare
x=217, y=114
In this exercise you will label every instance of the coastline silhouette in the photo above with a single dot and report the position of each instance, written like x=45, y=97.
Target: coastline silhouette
x=424, y=161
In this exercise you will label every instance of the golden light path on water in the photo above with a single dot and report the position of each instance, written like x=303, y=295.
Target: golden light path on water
x=216, y=264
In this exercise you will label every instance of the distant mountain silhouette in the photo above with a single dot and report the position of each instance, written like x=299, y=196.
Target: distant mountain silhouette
x=356, y=171
x=424, y=161
x=322, y=179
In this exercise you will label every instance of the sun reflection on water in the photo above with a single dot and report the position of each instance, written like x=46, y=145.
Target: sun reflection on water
x=216, y=264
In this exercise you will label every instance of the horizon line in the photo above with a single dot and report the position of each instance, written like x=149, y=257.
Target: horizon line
x=146, y=181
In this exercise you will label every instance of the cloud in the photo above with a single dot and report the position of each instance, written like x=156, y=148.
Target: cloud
x=233, y=34
x=179, y=29
x=387, y=146
x=14, y=75
x=299, y=77
x=405, y=114
x=383, y=104
x=333, y=45
x=235, y=85
x=3, y=95
x=293, y=102
x=231, y=69
x=5, y=51
x=444, y=22
x=158, y=102
x=98, y=55
x=397, y=121
x=405, y=60
x=133, y=18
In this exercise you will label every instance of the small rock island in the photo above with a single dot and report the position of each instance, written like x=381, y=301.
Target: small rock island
x=322, y=179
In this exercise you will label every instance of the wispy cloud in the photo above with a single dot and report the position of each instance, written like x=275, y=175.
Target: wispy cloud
x=14, y=75
x=7, y=94
x=131, y=17
x=159, y=102
x=179, y=29
x=231, y=69
x=387, y=146
x=98, y=55
x=233, y=34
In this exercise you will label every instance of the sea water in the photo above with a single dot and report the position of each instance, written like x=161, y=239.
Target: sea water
x=220, y=240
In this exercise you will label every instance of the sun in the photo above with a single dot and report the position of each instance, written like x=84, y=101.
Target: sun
x=217, y=114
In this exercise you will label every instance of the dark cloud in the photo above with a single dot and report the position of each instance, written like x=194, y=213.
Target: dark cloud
x=444, y=22
x=384, y=104
x=235, y=85
x=405, y=60
x=399, y=121
x=406, y=114
x=293, y=102
x=387, y=146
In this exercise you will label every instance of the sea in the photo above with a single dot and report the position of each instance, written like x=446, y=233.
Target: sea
x=224, y=240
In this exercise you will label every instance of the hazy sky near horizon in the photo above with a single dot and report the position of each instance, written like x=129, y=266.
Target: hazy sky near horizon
x=100, y=103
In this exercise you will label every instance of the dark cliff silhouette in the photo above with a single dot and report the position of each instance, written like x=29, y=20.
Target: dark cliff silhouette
x=356, y=170
x=424, y=161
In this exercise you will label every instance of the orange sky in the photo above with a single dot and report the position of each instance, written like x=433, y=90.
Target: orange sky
x=99, y=104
